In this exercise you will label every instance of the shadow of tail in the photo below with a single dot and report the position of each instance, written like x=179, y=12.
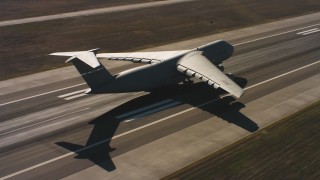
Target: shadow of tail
x=98, y=154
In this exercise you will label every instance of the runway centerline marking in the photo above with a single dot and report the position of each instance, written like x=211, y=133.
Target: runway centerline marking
x=147, y=125
x=246, y=42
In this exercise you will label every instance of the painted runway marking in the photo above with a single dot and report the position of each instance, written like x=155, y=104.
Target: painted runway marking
x=310, y=31
x=286, y=32
x=73, y=95
x=302, y=32
x=50, y=92
x=34, y=124
x=147, y=125
x=263, y=82
x=246, y=42
x=90, y=12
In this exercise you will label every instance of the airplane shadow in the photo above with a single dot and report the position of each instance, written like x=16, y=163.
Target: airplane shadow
x=97, y=148
x=226, y=108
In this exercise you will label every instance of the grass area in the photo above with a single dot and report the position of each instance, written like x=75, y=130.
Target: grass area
x=289, y=149
x=24, y=48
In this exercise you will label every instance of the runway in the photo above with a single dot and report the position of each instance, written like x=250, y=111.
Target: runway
x=39, y=124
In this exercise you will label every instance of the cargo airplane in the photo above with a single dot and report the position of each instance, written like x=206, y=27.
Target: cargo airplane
x=164, y=68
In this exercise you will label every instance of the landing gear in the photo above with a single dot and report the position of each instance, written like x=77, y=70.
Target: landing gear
x=221, y=67
x=187, y=81
x=230, y=75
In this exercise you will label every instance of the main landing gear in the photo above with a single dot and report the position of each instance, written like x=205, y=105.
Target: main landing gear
x=230, y=75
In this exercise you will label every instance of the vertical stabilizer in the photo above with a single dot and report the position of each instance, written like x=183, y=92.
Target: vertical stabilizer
x=91, y=70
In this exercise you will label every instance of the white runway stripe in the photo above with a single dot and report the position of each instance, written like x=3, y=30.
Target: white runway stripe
x=302, y=32
x=90, y=12
x=75, y=96
x=42, y=122
x=310, y=31
x=286, y=32
x=72, y=93
x=42, y=94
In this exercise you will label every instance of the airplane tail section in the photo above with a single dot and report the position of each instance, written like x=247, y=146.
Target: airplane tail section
x=91, y=70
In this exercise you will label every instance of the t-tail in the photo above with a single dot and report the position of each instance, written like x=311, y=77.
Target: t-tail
x=91, y=70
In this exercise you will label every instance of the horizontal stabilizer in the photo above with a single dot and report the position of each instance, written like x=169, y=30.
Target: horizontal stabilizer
x=88, y=57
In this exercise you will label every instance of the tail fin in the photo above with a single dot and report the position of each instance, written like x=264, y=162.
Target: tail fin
x=91, y=70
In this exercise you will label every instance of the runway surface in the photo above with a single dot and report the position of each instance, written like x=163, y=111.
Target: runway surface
x=42, y=126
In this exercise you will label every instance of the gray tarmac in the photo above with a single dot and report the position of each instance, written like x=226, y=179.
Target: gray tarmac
x=39, y=126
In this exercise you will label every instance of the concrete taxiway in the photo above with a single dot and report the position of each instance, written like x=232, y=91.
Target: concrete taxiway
x=44, y=122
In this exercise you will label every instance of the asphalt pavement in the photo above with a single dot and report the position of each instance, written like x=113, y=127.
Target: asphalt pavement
x=54, y=130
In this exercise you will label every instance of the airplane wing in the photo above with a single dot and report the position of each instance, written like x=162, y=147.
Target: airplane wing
x=196, y=65
x=142, y=57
